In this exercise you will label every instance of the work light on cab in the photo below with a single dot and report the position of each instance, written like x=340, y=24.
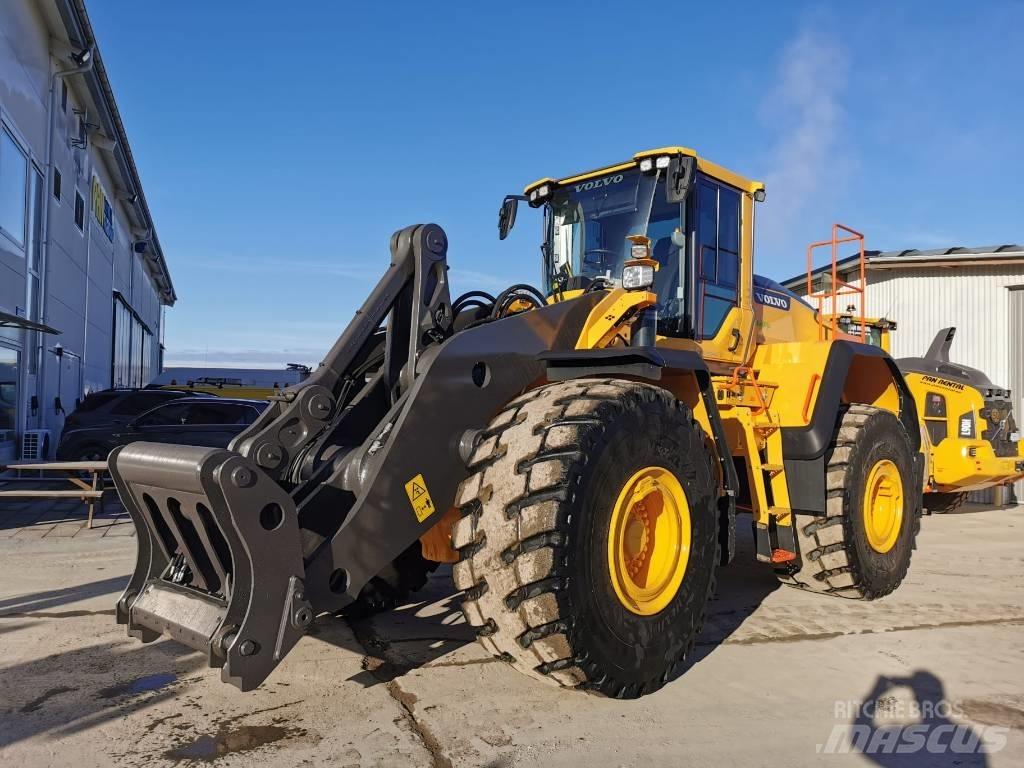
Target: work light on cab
x=638, y=272
x=649, y=164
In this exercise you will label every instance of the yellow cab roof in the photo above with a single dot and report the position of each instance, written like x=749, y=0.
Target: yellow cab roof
x=711, y=169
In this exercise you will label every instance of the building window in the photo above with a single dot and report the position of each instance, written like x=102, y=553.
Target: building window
x=63, y=96
x=57, y=179
x=79, y=210
x=133, y=350
x=13, y=184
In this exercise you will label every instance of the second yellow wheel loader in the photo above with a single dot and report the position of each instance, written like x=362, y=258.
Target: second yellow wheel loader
x=580, y=452
x=971, y=440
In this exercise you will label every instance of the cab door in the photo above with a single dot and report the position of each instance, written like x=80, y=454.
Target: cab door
x=721, y=265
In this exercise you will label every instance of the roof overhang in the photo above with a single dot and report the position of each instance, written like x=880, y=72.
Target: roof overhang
x=984, y=259
x=878, y=261
x=79, y=31
x=8, y=320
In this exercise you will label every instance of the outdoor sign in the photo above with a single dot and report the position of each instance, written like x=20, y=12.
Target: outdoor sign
x=101, y=208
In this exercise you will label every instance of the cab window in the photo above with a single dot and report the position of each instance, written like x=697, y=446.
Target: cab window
x=718, y=254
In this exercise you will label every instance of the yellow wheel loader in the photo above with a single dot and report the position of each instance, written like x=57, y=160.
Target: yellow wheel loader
x=580, y=452
x=971, y=439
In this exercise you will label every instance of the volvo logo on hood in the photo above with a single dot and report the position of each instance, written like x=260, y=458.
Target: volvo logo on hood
x=771, y=299
x=607, y=181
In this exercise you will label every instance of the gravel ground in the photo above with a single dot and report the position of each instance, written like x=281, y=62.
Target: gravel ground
x=779, y=676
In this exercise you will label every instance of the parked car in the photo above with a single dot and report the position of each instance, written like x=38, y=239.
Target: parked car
x=119, y=406
x=191, y=420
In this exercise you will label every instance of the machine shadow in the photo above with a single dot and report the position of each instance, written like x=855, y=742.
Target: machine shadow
x=413, y=635
x=28, y=605
x=421, y=633
x=742, y=586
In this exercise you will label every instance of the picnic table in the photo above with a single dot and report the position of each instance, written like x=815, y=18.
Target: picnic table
x=89, y=491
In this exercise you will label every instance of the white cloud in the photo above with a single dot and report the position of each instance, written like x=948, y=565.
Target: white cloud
x=804, y=111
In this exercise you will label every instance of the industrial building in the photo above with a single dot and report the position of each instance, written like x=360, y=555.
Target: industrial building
x=979, y=291
x=83, y=280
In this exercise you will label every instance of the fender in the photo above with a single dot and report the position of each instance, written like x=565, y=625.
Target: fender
x=804, y=448
x=652, y=363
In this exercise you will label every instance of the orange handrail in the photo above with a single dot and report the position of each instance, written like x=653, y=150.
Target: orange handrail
x=841, y=234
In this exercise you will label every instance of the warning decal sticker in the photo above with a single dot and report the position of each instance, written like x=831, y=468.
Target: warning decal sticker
x=419, y=497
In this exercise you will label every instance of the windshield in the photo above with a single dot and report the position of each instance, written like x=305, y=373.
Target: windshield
x=589, y=221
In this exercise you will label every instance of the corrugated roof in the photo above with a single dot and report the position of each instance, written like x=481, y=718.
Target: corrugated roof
x=944, y=254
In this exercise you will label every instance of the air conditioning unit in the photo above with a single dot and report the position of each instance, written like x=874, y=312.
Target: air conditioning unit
x=35, y=445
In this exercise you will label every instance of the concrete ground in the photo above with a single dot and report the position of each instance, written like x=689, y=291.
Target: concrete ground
x=777, y=678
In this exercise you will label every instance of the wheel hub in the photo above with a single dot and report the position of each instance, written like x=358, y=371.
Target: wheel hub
x=883, y=506
x=649, y=540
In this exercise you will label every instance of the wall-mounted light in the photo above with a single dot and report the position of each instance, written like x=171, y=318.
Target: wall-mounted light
x=82, y=57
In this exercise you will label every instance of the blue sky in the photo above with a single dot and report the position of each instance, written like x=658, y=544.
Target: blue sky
x=280, y=144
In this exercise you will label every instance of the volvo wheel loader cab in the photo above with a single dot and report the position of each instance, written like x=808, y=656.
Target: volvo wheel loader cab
x=580, y=452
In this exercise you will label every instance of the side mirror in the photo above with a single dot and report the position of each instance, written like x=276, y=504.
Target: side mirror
x=507, y=215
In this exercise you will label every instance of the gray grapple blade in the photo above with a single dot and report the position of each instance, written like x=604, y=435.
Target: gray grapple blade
x=208, y=520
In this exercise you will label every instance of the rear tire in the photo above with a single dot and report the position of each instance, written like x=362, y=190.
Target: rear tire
x=837, y=556
x=91, y=453
x=548, y=475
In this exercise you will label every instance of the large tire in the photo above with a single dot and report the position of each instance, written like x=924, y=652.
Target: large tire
x=836, y=555
x=944, y=502
x=535, y=562
x=407, y=574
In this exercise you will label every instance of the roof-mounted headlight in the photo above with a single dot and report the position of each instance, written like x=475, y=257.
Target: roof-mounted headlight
x=539, y=194
x=649, y=164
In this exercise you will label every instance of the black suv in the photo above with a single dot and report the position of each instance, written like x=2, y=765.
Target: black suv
x=119, y=406
x=206, y=421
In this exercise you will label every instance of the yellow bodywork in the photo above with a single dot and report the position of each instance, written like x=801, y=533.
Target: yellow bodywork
x=959, y=463
x=711, y=169
x=955, y=464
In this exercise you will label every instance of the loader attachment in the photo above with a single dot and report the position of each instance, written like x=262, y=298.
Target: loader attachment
x=208, y=523
x=343, y=474
x=222, y=546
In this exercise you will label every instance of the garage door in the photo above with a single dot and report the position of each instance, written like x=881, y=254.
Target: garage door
x=1016, y=334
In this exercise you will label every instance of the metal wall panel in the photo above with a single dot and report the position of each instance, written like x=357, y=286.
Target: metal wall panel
x=1016, y=335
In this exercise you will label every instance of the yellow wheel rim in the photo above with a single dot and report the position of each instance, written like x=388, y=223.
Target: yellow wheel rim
x=883, y=506
x=649, y=540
